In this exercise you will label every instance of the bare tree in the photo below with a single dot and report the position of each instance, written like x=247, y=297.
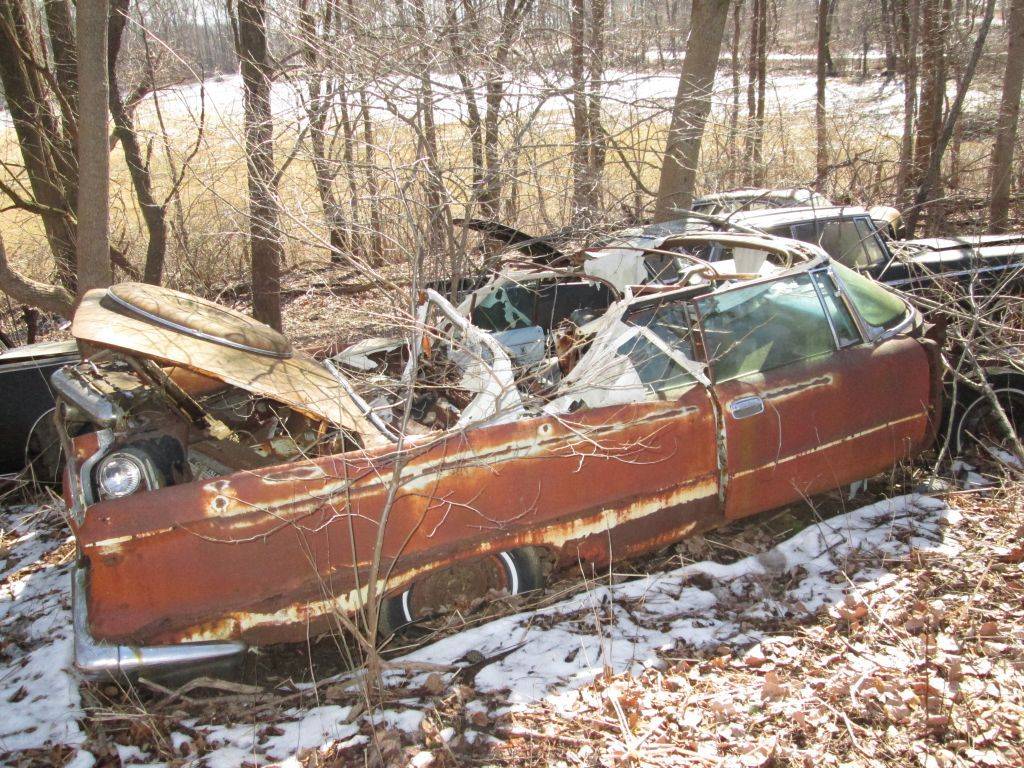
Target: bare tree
x=49, y=298
x=691, y=108
x=265, y=249
x=756, y=84
x=931, y=173
x=93, y=246
x=821, y=132
x=588, y=153
x=1006, y=128
x=44, y=134
x=734, y=69
x=933, y=88
x=138, y=168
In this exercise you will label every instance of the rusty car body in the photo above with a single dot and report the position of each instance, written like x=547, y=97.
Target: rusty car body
x=225, y=490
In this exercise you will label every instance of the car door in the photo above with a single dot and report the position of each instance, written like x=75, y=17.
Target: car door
x=807, y=400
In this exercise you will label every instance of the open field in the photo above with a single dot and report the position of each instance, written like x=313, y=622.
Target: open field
x=203, y=135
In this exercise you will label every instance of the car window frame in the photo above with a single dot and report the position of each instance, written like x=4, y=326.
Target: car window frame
x=696, y=338
x=857, y=220
x=844, y=301
x=873, y=333
x=874, y=235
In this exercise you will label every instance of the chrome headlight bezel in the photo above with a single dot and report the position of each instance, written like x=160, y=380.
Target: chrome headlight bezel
x=133, y=464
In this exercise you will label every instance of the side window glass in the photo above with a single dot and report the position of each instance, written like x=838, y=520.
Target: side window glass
x=764, y=326
x=873, y=252
x=838, y=312
x=670, y=324
x=842, y=240
x=658, y=372
x=805, y=233
x=879, y=308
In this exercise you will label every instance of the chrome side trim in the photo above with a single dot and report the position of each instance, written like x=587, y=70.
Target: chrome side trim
x=194, y=332
x=94, y=658
x=84, y=496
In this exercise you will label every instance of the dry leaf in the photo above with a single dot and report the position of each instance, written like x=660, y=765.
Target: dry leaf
x=434, y=683
x=772, y=690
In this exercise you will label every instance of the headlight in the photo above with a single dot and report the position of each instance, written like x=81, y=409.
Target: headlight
x=120, y=474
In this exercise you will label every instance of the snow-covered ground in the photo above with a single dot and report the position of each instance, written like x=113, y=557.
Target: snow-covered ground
x=550, y=651
x=218, y=101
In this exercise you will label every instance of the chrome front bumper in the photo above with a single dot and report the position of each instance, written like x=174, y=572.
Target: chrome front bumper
x=95, y=658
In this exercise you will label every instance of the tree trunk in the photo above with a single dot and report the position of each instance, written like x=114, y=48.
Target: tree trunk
x=582, y=202
x=265, y=247
x=734, y=110
x=462, y=64
x=597, y=147
x=748, y=139
x=124, y=128
x=317, y=107
x=1006, y=127
x=929, y=111
x=821, y=128
x=93, y=246
x=910, y=26
x=888, y=28
x=46, y=151
x=756, y=82
x=931, y=174
x=691, y=108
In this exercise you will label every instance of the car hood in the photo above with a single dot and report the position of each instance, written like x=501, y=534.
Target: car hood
x=979, y=249
x=174, y=328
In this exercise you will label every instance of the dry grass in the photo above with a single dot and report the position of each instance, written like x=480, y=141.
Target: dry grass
x=209, y=250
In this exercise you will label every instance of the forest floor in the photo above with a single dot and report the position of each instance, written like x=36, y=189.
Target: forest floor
x=883, y=630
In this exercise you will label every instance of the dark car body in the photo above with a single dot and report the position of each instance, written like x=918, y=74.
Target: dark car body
x=26, y=399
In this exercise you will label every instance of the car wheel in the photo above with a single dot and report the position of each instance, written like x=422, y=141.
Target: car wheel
x=978, y=431
x=459, y=586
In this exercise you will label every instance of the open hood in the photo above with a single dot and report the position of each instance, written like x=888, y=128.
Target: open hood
x=174, y=328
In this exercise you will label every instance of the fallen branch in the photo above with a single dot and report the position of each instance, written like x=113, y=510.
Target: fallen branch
x=49, y=298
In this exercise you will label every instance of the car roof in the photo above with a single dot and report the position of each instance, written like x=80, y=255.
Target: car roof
x=783, y=216
x=759, y=192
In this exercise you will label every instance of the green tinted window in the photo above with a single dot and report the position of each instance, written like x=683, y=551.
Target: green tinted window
x=879, y=307
x=670, y=323
x=764, y=326
x=659, y=372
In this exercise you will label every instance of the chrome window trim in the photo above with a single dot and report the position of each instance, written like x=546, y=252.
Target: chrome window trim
x=828, y=315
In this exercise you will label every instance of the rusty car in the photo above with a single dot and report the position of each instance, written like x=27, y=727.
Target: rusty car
x=988, y=267
x=227, y=491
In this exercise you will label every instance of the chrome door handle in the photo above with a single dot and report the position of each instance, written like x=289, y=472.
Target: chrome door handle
x=745, y=407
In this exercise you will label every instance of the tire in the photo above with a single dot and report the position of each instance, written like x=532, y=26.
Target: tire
x=519, y=570
x=975, y=423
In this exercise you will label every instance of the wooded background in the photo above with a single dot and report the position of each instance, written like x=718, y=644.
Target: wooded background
x=358, y=133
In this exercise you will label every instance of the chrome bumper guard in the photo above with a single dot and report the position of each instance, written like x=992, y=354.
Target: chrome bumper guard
x=95, y=658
